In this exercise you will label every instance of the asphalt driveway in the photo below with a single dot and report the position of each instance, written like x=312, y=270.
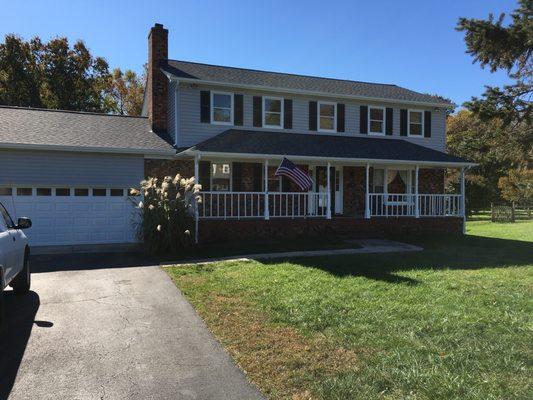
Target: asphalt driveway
x=103, y=329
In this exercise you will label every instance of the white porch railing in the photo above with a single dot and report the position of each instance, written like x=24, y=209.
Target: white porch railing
x=241, y=205
x=405, y=205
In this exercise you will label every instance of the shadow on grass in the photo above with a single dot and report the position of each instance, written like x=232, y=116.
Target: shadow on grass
x=440, y=252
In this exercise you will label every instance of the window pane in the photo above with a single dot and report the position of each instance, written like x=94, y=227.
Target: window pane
x=273, y=119
x=415, y=129
x=327, y=110
x=116, y=192
x=376, y=126
x=376, y=113
x=81, y=192
x=222, y=100
x=415, y=116
x=6, y=191
x=326, y=123
x=62, y=192
x=221, y=173
x=23, y=191
x=99, y=192
x=273, y=105
x=222, y=115
x=44, y=191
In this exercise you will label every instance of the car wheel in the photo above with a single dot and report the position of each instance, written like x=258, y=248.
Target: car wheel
x=21, y=283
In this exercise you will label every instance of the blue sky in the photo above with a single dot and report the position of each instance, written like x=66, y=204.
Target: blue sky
x=409, y=43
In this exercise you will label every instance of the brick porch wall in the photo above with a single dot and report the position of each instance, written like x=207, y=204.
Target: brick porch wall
x=215, y=230
x=431, y=181
x=161, y=168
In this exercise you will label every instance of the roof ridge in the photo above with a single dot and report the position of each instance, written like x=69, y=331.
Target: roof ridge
x=70, y=111
x=284, y=73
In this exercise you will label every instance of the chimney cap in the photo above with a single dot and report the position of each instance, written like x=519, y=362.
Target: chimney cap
x=158, y=25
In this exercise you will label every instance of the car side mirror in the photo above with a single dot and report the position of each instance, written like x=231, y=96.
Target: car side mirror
x=23, y=223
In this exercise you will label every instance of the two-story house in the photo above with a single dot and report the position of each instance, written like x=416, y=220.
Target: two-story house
x=375, y=153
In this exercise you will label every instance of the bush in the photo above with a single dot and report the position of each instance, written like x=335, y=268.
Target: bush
x=167, y=213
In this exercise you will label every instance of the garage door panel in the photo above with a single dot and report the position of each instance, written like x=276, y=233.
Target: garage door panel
x=68, y=220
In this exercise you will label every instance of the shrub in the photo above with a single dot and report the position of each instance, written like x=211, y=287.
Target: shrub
x=167, y=213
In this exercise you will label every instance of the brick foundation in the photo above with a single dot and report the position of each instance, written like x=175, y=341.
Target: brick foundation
x=216, y=230
x=161, y=168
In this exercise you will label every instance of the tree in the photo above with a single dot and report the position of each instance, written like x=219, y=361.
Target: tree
x=503, y=47
x=517, y=186
x=127, y=92
x=53, y=75
x=496, y=147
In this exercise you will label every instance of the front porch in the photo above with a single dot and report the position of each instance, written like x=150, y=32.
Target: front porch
x=339, y=190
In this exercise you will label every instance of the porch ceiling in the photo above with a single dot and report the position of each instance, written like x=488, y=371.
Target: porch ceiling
x=260, y=144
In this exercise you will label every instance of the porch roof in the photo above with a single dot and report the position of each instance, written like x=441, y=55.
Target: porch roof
x=254, y=143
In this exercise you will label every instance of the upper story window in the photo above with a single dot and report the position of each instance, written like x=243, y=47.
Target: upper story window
x=415, y=123
x=272, y=112
x=327, y=116
x=222, y=108
x=376, y=120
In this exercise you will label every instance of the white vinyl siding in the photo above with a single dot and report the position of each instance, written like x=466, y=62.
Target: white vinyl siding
x=192, y=131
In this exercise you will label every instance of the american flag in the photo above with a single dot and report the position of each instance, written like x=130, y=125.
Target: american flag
x=291, y=171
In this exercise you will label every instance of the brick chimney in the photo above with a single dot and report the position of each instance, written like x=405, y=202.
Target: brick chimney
x=157, y=83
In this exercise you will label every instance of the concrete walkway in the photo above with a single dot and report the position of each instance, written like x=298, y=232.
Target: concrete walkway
x=366, y=246
x=115, y=333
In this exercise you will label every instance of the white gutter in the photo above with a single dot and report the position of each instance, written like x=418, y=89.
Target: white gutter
x=362, y=161
x=88, y=149
x=307, y=92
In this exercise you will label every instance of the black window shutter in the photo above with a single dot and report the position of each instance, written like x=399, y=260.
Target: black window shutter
x=287, y=114
x=258, y=177
x=258, y=112
x=204, y=170
x=205, y=106
x=427, y=123
x=312, y=115
x=340, y=117
x=237, y=176
x=388, y=121
x=363, y=119
x=239, y=109
x=403, y=122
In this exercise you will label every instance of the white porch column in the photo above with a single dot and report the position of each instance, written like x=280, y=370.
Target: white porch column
x=367, y=194
x=265, y=173
x=386, y=191
x=417, y=199
x=197, y=178
x=463, y=211
x=328, y=186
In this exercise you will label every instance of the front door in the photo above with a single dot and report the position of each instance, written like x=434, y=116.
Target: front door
x=335, y=187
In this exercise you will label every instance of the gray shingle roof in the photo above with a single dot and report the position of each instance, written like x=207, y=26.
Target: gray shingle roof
x=242, y=76
x=329, y=146
x=42, y=127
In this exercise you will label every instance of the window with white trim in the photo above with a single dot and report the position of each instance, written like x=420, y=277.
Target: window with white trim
x=327, y=116
x=376, y=120
x=221, y=177
x=274, y=182
x=272, y=112
x=415, y=123
x=222, y=108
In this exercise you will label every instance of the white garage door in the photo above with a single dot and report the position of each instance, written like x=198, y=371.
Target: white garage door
x=71, y=216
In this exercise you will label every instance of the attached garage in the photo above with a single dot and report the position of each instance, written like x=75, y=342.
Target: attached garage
x=75, y=191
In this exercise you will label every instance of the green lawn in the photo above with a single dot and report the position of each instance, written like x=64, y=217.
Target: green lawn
x=451, y=322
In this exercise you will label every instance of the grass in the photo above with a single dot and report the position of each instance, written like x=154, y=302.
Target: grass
x=236, y=248
x=451, y=322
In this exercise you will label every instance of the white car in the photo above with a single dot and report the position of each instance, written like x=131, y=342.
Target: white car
x=14, y=256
